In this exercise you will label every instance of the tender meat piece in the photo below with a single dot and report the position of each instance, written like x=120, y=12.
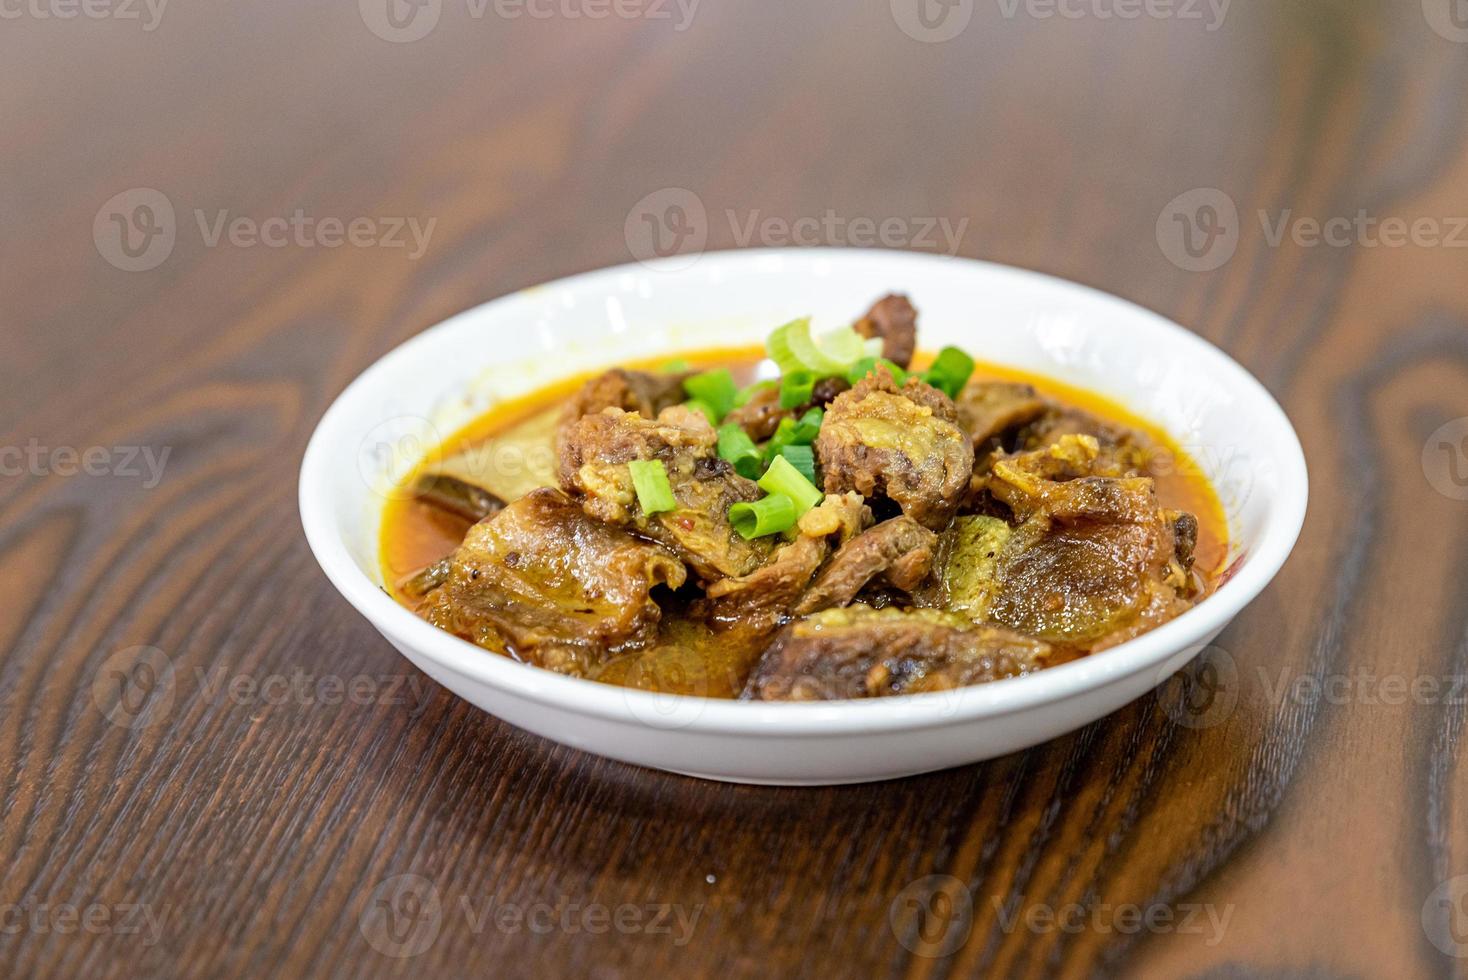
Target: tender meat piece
x=901, y=443
x=897, y=552
x=542, y=581
x=894, y=320
x=1076, y=584
x=988, y=409
x=1185, y=533
x=1072, y=479
x=460, y=497
x=593, y=467
x=767, y=594
x=1096, y=560
x=424, y=581
x=969, y=556
x=1129, y=449
x=761, y=415
x=861, y=652
x=644, y=393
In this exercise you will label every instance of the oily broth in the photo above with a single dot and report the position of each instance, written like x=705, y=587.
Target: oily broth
x=687, y=657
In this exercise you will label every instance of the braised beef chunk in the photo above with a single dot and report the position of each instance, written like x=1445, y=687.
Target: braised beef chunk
x=761, y=415
x=645, y=392
x=988, y=409
x=546, y=583
x=897, y=553
x=594, y=454
x=894, y=320
x=421, y=583
x=1127, y=448
x=861, y=652
x=1073, y=479
x=1185, y=534
x=1095, y=559
x=458, y=496
x=765, y=595
x=900, y=443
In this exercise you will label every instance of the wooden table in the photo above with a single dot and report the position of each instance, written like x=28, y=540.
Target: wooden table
x=222, y=819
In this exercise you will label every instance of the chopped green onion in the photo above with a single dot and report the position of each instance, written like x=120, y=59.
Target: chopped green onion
x=700, y=405
x=714, y=388
x=654, y=492
x=749, y=391
x=783, y=478
x=768, y=515
x=867, y=365
x=784, y=436
x=950, y=371
x=808, y=427
x=793, y=348
x=794, y=433
x=803, y=458
x=736, y=447
x=842, y=345
x=676, y=366
x=796, y=388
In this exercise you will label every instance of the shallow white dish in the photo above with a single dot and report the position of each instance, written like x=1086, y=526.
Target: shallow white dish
x=444, y=377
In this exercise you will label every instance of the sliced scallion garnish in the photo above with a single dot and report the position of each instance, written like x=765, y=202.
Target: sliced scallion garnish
x=784, y=479
x=715, y=388
x=736, y=447
x=768, y=515
x=950, y=371
x=650, y=479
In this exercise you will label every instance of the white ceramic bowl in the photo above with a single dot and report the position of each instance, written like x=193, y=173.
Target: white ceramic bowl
x=440, y=379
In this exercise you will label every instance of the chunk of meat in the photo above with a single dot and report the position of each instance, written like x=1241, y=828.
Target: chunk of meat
x=988, y=409
x=593, y=467
x=861, y=652
x=761, y=415
x=1127, y=448
x=1096, y=559
x=644, y=393
x=901, y=443
x=459, y=497
x=897, y=552
x=893, y=319
x=769, y=593
x=1078, y=584
x=969, y=557
x=1072, y=479
x=545, y=583
x=1185, y=534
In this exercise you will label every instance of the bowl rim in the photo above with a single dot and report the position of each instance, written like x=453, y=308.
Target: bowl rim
x=1283, y=520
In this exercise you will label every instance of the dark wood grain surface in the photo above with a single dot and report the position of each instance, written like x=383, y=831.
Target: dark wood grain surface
x=174, y=803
